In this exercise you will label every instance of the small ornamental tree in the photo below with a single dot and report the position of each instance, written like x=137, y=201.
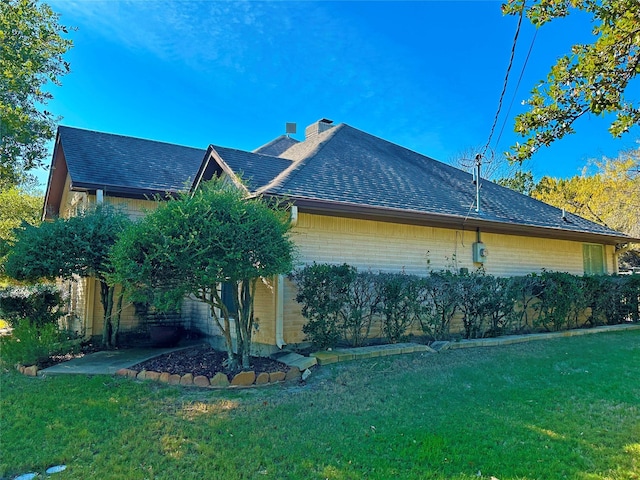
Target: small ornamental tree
x=76, y=246
x=195, y=243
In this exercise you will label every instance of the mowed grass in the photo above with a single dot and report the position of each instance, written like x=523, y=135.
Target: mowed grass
x=565, y=408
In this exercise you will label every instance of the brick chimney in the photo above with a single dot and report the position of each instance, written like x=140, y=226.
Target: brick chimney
x=318, y=127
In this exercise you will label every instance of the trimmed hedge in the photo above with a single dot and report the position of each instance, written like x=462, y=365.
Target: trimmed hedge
x=344, y=305
x=41, y=304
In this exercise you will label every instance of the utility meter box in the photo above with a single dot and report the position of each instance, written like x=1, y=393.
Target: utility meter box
x=480, y=252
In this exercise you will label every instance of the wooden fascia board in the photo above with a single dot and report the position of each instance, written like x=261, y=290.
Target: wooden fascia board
x=58, y=172
x=204, y=171
x=321, y=207
x=213, y=160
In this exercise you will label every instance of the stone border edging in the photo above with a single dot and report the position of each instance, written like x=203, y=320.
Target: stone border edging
x=347, y=354
x=530, y=337
x=219, y=380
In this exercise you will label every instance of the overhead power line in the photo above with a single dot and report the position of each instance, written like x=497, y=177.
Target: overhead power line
x=506, y=79
x=515, y=92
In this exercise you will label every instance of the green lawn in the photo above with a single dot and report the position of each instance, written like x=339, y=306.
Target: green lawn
x=565, y=408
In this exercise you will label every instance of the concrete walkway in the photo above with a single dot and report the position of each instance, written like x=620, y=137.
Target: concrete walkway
x=107, y=362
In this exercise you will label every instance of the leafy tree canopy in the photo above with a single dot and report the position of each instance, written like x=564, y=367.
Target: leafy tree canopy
x=193, y=244
x=610, y=197
x=78, y=246
x=31, y=56
x=520, y=181
x=17, y=206
x=591, y=78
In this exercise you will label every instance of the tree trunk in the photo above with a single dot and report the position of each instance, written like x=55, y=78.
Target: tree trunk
x=115, y=320
x=245, y=320
x=223, y=324
x=107, y=327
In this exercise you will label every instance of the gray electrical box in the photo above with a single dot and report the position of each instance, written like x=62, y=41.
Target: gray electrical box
x=480, y=252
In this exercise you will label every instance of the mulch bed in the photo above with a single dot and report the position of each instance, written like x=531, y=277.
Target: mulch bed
x=204, y=360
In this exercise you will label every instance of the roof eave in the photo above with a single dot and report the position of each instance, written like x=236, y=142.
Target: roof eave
x=123, y=191
x=366, y=212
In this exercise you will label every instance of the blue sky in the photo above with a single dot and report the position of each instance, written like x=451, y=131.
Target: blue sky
x=424, y=74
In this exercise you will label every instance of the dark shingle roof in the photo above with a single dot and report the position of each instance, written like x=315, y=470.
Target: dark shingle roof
x=255, y=170
x=103, y=160
x=342, y=166
x=347, y=166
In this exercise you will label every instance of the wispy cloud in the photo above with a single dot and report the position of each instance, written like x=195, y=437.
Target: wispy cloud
x=278, y=45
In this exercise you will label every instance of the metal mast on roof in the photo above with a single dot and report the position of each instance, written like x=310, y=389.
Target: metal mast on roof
x=477, y=175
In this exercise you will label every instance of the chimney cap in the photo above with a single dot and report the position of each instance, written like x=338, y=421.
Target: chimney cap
x=325, y=120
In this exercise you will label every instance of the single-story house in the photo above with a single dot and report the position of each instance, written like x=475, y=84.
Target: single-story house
x=356, y=198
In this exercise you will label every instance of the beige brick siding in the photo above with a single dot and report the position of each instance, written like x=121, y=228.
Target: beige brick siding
x=390, y=247
x=383, y=246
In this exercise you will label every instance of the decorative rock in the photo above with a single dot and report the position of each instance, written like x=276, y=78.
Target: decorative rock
x=122, y=372
x=262, y=378
x=276, y=377
x=244, y=379
x=306, y=374
x=201, y=381
x=164, y=377
x=293, y=374
x=31, y=371
x=151, y=375
x=56, y=469
x=219, y=380
x=20, y=368
x=174, y=379
x=186, y=379
x=132, y=373
x=142, y=375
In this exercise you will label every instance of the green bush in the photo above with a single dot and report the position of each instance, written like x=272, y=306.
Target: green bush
x=323, y=291
x=341, y=303
x=474, y=300
x=631, y=297
x=398, y=295
x=523, y=291
x=556, y=300
x=439, y=302
x=500, y=306
x=362, y=304
x=30, y=344
x=41, y=304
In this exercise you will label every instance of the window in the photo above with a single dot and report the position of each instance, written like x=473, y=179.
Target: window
x=593, y=258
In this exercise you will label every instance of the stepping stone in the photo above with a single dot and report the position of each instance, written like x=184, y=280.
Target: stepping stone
x=440, y=345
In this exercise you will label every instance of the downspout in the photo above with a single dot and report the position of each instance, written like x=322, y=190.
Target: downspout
x=280, y=292
x=280, y=311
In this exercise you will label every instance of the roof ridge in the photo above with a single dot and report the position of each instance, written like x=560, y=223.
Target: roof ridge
x=129, y=137
x=273, y=142
x=258, y=154
x=291, y=171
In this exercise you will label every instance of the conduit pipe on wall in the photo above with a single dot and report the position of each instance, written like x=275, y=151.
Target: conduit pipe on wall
x=280, y=311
